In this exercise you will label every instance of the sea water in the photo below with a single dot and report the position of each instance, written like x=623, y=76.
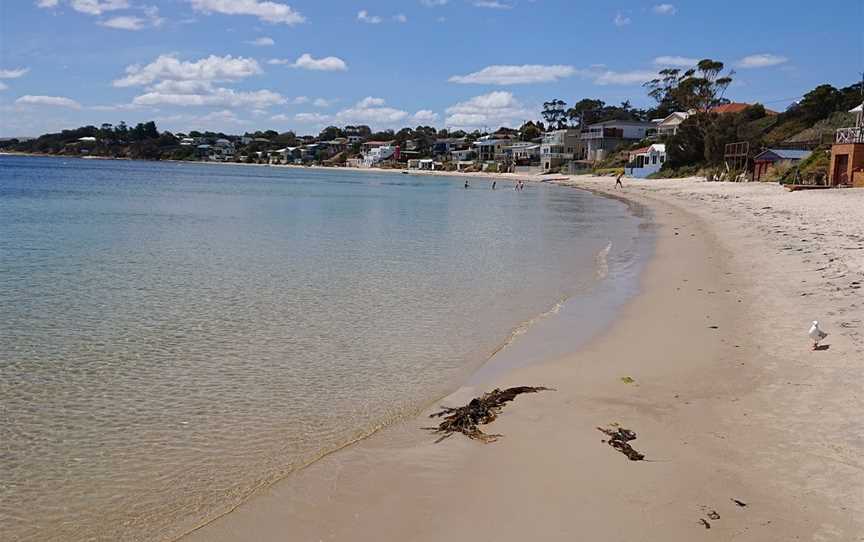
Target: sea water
x=174, y=336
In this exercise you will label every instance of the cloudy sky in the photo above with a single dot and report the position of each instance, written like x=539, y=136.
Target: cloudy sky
x=237, y=65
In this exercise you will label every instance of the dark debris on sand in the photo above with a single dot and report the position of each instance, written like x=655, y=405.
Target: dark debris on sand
x=480, y=411
x=619, y=438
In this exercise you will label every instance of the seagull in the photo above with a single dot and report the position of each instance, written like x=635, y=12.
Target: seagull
x=816, y=334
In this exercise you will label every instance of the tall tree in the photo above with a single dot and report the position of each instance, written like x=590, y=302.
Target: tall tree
x=555, y=113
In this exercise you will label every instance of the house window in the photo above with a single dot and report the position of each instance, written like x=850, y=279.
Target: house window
x=654, y=159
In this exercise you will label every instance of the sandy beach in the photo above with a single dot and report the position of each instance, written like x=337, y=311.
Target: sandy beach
x=728, y=401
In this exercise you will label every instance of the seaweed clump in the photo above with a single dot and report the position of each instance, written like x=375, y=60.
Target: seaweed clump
x=480, y=411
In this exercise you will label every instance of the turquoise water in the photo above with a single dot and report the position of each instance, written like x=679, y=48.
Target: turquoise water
x=174, y=336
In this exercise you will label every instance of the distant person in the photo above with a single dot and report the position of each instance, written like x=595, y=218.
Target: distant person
x=493, y=184
x=618, y=182
x=466, y=183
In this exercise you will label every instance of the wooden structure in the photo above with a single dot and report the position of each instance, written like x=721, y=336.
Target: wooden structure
x=736, y=156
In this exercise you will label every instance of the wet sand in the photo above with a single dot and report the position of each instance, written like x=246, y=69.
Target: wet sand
x=728, y=401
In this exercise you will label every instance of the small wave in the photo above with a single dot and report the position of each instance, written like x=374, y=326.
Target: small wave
x=523, y=328
x=601, y=262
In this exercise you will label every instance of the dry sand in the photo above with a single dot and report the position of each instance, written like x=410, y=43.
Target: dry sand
x=729, y=402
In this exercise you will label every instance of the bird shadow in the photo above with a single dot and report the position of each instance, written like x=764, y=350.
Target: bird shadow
x=822, y=347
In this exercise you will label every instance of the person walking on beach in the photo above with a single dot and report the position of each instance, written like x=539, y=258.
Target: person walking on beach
x=618, y=182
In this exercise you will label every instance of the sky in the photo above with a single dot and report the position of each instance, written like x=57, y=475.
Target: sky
x=245, y=65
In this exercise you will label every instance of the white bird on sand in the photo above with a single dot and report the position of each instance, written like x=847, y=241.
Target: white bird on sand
x=816, y=334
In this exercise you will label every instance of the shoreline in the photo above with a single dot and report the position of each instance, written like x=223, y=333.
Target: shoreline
x=704, y=406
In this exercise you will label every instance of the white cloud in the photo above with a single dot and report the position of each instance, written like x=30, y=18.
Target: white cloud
x=371, y=111
x=515, y=75
x=3, y=86
x=131, y=22
x=676, y=61
x=271, y=12
x=763, y=60
x=299, y=100
x=212, y=68
x=281, y=117
x=364, y=16
x=489, y=110
x=97, y=7
x=664, y=9
x=13, y=73
x=215, y=97
x=278, y=61
x=322, y=102
x=425, y=116
x=311, y=118
x=433, y=3
x=263, y=41
x=47, y=3
x=635, y=77
x=400, y=18
x=53, y=101
x=327, y=64
x=621, y=19
x=369, y=101
x=491, y=4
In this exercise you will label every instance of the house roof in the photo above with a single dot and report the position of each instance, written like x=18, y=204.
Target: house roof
x=782, y=154
x=640, y=150
x=679, y=116
x=856, y=109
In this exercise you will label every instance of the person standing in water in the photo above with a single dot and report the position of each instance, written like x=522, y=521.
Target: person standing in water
x=466, y=183
x=618, y=182
x=493, y=184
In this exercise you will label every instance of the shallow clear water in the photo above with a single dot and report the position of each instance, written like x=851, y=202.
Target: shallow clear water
x=173, y=336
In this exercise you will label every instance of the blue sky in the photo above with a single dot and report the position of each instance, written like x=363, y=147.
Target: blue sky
x=238, y=65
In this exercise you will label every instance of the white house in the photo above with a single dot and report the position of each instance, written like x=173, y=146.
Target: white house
x=645, y=161
x=669, y=126
x=524, y=152
x=376, y=155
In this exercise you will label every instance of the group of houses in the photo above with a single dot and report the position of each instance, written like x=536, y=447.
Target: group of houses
x=568, y=150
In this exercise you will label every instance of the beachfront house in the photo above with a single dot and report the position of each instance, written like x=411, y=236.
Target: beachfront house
x=288, y=155
x=847, y=153
x=378, y=154
x=775, y=158
x=523, y=153
x=559, y=147
x=669, y=126
x=444, y=146
x=644, y=161
x=425, y=164
x=463, y=155
x=491, y=150
x=605, y=137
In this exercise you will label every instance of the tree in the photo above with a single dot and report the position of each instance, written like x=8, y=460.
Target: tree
x=555, y=113
x=330, y=133
x=699, y=88
x=819, y=103
x=586, y=111
x=529, y=131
